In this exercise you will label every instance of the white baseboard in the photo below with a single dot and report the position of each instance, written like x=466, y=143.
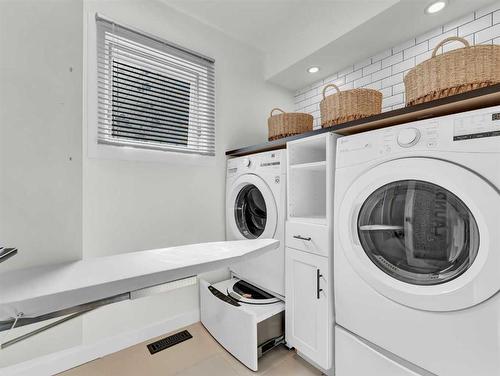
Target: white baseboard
x=75, y=356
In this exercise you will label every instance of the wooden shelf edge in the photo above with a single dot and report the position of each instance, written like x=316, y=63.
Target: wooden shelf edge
x=472, y=100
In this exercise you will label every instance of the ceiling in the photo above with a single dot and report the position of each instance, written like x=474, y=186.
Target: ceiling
x=295, y=34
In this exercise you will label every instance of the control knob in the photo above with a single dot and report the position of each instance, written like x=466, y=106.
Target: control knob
x=408, y=137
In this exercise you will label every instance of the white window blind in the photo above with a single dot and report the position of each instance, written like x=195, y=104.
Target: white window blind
x=153, y=94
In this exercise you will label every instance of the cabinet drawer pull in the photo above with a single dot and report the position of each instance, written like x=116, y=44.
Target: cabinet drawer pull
x=302, y=238
x=318, y=276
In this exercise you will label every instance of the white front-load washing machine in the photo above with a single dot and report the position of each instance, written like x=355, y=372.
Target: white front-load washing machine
x=417, y=255
x=255, y=208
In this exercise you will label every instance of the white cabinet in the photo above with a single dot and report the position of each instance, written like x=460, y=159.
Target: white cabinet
x=308, y=305
x=309, y=248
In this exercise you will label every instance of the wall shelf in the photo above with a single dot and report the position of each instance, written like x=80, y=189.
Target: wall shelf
x=472, y=100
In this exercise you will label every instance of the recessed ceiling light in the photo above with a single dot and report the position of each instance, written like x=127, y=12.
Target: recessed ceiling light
x=436, y=6
x=313, y=69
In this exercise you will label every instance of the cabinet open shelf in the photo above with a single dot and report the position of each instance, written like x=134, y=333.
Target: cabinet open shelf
x=313, y=166
x=314, y=219
x=307, y=180
x=308, y=151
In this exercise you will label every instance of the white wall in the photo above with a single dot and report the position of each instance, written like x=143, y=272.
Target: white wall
x=40, y=147
x=130, y=206
x=57, y=209
x=385, y=71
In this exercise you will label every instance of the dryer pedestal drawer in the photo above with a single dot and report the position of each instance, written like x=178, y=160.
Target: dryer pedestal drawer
x=245, y=330
x=308, y=237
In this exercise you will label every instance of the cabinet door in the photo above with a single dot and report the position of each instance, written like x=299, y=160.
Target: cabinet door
x=308, y=322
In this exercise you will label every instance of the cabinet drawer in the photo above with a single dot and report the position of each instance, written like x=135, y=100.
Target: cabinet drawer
x=307, y=237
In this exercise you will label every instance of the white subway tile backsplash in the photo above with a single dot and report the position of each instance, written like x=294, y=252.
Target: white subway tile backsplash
x=312, y=92
x=392, y=101
x=363, y=64
x=489, y=9
x=455, y=24
x=396, y=58
x=433, y=42
x=496, y=17
x=475, y=26
x=422, y=57
x=398, y=88
x=387, y=92
x=347, y=86
x=430, y=34
x=354, y=75
x=346, y=71
x=487, y=34
x=381, y=74
x=363, y=81
x=372, y=68
x=403, y=66
x=382, y=55
x=416, y=50
x=386, y=70
x=331, y=78
x=454, y=45
x=403, y=46
x=392, y=80
x=339, y=81
x=377, y=85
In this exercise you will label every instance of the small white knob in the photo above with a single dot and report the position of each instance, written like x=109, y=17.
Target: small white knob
x=408, y=137
x=245, y=162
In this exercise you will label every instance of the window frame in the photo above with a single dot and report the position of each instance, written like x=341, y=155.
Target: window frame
x=101, y=150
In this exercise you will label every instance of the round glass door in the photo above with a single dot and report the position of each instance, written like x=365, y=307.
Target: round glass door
x=250, y=212
x=418, y=232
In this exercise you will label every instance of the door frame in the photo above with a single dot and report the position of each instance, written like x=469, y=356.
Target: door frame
x=472, y=287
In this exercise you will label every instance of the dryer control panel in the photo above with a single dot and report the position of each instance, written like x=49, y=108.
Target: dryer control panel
x=475, y=131
x=268, y=162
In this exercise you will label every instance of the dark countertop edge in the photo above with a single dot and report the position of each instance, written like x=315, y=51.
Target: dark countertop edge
x=345, y=128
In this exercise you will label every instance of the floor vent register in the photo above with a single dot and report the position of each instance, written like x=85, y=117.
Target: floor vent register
x=169, y=341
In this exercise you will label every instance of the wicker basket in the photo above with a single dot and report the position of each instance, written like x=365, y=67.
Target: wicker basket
x=453, y=72
x=288, y=123
x=344, y=106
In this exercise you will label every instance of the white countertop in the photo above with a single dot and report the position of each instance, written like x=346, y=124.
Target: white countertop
x=45, y=289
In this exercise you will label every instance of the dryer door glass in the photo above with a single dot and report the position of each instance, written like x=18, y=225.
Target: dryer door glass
x=250, y=212
x=418, y=232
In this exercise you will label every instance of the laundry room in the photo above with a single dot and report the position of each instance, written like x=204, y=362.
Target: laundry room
x=237, y=187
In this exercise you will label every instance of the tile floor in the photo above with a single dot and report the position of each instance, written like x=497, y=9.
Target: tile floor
x=199, y=356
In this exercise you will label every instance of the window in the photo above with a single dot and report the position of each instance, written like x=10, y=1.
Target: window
x=152, y=94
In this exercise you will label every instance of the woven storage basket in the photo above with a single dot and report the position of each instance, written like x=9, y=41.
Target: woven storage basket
x=288, y=123
x=344, y=106
x=453, y=72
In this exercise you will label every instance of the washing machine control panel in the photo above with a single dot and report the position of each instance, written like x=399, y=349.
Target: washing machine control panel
x=263, y=162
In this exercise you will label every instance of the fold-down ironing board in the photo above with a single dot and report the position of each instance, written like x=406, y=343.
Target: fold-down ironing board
x=39, y=291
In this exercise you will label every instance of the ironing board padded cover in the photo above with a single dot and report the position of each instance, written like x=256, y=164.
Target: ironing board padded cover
x=45, y=289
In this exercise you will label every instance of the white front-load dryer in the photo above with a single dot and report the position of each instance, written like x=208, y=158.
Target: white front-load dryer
x=417, y=240
x=255, y=208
